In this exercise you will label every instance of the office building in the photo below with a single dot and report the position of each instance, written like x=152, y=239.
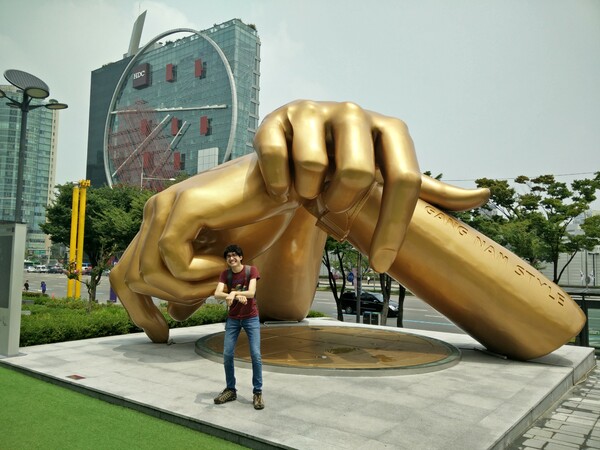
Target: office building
x=183, y=103
x=39, y=170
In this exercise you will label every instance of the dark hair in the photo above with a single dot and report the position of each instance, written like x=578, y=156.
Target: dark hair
x=233, y=248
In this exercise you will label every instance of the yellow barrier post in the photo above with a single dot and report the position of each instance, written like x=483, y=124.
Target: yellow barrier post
x=83, y=185
x=73, y=242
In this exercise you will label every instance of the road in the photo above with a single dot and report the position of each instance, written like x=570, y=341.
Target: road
x=56, y=284
x=417, y=313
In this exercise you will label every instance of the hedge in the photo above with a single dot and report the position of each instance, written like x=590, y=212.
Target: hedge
x=52, y=320
x=57, y=320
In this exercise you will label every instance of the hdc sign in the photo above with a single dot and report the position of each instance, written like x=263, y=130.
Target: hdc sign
x=141, y=76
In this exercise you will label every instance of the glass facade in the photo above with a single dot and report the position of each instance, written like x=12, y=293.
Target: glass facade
x=39, y=169
x=186, y=102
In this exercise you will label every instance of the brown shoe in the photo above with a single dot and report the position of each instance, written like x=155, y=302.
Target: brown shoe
x=228, y=395
x=258, y=401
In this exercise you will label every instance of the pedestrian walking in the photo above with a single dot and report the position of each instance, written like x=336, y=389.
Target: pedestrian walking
x=26, y=285
x=43, y=286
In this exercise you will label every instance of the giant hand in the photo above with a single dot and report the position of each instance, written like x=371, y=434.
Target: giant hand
x=334, y=153
x=484, y=288
x=326, y=157
x=177, y=254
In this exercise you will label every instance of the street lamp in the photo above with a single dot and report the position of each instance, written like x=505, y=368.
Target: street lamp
x=32, y=87
x=593, y=255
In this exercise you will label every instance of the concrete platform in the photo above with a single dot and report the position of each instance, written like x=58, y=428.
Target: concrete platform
x=480, y=402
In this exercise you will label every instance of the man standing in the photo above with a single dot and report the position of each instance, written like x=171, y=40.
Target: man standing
x=237, y=286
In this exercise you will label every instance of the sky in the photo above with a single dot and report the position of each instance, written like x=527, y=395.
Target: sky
x=488, y=88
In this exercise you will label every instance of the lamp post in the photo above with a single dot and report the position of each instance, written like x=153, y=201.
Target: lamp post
x=32, y=88
x=593, y=255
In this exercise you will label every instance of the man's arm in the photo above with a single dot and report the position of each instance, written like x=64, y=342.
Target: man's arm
x=250, y=291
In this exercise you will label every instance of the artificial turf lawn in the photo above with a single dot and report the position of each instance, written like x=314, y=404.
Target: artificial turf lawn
x=35, y=414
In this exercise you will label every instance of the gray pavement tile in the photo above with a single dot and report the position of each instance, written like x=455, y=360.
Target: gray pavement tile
x=534, y=443
x=540, y=432
x=576, y=429
x=592, y=443
x=568, y=438
x=581, y=421
x=559, y=446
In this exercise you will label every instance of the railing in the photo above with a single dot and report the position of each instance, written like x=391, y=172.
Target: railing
x=588, y=299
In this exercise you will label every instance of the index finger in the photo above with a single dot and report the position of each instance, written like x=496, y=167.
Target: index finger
x=396, y=157
x=270, y=144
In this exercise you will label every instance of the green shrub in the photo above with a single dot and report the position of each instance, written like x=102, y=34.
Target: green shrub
x=211, y=313
x=30, y=295
x=58, y=320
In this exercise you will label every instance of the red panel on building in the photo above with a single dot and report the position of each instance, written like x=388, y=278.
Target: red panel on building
x=145, y=126
x=148, y=160
x=204, y=125
x=198, y=68
x=177, y=161
x=174, y=126
x=170, y=72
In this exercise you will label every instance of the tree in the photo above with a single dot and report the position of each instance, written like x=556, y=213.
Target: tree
x=537, y=225
x=113, y=218
x=336, y=268
x=385, y=282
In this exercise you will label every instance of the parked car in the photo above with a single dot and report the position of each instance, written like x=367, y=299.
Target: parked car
x=56, y=268
x=369, y=301
x=30, y=269
x=41, y=268
x=86, y=268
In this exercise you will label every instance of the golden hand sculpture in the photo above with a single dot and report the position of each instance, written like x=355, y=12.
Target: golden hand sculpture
x=336, y=167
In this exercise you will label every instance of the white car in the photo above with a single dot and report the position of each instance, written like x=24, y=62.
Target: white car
x=41, y=268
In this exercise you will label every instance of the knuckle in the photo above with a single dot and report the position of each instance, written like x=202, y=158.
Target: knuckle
x=356, y=177
x=351, y=112
x=304, y=110
x=405, y=178
x=271, y=151
x=310, y=162
x=393, y=124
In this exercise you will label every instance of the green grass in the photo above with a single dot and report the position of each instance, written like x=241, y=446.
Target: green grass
x=38, y=415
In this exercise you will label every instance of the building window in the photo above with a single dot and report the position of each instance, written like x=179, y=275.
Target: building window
x=207, y=159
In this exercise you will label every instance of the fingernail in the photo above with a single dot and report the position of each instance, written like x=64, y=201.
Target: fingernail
x=382, y=260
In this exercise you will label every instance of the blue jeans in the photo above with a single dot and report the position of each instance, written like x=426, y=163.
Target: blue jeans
x=232, y=331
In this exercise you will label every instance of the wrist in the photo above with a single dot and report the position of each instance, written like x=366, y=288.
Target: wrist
x=338, y=225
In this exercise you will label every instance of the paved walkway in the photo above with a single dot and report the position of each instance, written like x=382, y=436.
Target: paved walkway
x=573, y=423
x=482, y=402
